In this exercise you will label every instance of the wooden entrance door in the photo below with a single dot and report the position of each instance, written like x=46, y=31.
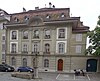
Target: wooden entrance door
x=60, y=65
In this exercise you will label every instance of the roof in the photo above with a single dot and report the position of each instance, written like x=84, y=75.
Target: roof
x=49, y=16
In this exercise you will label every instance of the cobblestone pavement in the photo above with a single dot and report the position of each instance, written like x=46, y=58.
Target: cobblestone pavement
x=6, y=76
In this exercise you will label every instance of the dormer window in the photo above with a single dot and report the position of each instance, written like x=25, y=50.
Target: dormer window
x=26, y=18
x=16, y=19
x=62, y=15
x=1, y=13
x=48, y=16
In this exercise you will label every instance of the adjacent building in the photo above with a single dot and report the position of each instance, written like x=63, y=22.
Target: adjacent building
x=51, y=36
x=4, y=18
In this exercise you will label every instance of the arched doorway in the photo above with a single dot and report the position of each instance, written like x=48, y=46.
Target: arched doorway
x=60, y=65
x=91, y=65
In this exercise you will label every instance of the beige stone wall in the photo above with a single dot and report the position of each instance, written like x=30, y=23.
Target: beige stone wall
x=73, y=44
x=71, y=60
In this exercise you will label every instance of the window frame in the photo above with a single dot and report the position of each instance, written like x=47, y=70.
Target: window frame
x=25, y=47
x=13, y=61
x=57, y=47
x=47, y=48
x=45, y=34
x=16, y=49
x=61, y=50
x=35, y=35
x=15, y=36
x=24, y=62
x=35, y=47
x=46, y=63
x=78, y=37
x=65, y=35
x=25, y=34
x=78, y=49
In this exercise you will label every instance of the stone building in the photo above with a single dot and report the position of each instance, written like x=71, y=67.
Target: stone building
x=53, y=36
x=4, y=18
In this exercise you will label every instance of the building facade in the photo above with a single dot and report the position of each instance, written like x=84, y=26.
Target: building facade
x=4, y=18
x=51, y=36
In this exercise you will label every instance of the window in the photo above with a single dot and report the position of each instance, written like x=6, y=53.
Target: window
x=47, y=34
x=47, y=48
x=61, y=47
x=61, y=33
x=78, y=37
x=46, y=63
x=25, y=48
x=26, y=18
x=16, y=19
x=3, y=56
x=62, y=15
x=3, y=47
x=24, y=62
x=35, y=48
x=25, y=34
x=13, y=61
x=36, y=34
x=48, y=17
x=14, y=35
x=78, y=48
x=3, y=37
x=14, y=47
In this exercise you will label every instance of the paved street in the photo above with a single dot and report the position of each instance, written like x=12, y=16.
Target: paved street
x=6, y=76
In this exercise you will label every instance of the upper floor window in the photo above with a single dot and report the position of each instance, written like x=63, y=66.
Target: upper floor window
x=14, y=47
x=61, y=47
x=35, y=47
x=47, y=34
x=3, y=47
x=61, y=33
x=46, y=63
x=16, y=19
x=25, y=48
x=3, y=37
x=14, y=34
x=47, y=48
x=3, y=56
x=36, y=34
x=78, y=48
x=78, y=37
x=25, y=34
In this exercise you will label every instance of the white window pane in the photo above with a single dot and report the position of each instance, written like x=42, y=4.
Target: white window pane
x=78, y=49
x=78, y=37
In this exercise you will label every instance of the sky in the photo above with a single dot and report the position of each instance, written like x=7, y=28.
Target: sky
x=88, y=10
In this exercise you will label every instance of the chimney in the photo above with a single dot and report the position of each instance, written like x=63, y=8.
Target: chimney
x=24, y=10
x=50, y=4
x=53, y=6
x=36, y=8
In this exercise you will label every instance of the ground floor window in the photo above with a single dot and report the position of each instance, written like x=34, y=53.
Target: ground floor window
x=46, y=63
x=24, y=62
x=13, y=61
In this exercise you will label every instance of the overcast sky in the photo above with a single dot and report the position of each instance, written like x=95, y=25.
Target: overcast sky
x=88, y=10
